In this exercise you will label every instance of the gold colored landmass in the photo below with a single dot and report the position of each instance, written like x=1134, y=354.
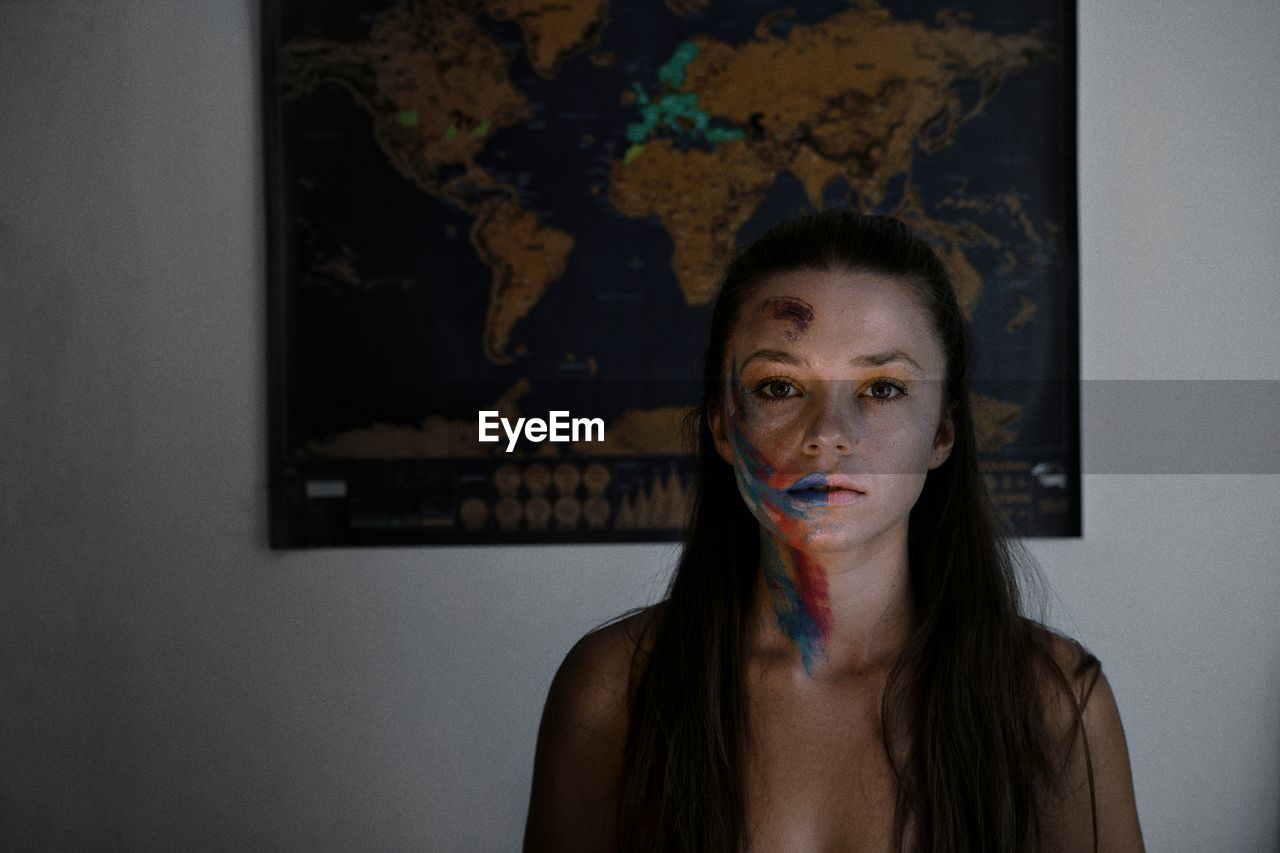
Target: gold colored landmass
x=429, y=60
x=641, y=432
x=965, y=278
x=1014, y=203
x=525, y=256
x=991, y=422
x=553, y=29
x=687, y=7
x=437, y=86
x=338, y=269
x=854, y=97
x=1008, y=258
x=771, y=20
x=815, y=173
x=701, y=198
x=859, y=87
x=950, y=240
x=1026, y=310
x=965, y=203
x=637, y=432
x=436, y=438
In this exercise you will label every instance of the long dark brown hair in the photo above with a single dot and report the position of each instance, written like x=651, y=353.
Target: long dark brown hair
x=966, y=689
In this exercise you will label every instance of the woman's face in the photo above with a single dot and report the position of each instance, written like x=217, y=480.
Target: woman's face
x=832, y=410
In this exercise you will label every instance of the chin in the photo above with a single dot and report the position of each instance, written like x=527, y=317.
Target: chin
x=824, y=538
x=833, y=535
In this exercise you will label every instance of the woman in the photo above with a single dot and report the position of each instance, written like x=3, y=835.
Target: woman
x=842, y=661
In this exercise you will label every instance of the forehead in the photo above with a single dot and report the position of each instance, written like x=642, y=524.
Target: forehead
x=862, y=310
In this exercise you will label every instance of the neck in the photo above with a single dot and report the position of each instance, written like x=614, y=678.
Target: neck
x=833, y=614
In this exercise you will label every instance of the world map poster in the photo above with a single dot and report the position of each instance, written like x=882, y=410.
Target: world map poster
x=523, y=207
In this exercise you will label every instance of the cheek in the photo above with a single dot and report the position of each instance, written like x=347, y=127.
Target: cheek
x=757, y=435
x=760, y=477
x=754, y=447
x=908, y=449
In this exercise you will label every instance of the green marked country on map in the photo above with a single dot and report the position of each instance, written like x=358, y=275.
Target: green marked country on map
x=678, y=111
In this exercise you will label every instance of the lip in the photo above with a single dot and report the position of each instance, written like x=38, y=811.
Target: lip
x=830, y=489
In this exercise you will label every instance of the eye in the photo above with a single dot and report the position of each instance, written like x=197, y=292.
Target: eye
x=886, y=390
x=775, y=388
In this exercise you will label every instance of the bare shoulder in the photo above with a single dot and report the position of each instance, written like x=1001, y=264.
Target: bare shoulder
x=582, y=736
x=1068, y=672
x=595, y=676
x=1096, y=780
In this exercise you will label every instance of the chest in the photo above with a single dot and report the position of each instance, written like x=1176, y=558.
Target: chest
x=818, y=779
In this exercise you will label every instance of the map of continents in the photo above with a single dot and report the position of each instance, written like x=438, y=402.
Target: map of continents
x=605, y=158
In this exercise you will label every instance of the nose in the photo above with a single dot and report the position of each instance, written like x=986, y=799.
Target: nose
x=833, y=421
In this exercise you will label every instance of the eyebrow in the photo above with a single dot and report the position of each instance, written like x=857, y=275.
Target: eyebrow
x=874, y=360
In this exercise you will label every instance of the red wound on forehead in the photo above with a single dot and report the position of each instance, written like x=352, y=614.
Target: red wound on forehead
x=796, y=312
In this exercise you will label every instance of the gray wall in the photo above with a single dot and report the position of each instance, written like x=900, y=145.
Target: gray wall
x=169, y=683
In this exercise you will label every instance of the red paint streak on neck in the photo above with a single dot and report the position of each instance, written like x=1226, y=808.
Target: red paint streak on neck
x=811, y=583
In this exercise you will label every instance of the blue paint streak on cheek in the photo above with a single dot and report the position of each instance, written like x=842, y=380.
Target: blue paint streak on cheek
x=754, y=473
x=751, y=472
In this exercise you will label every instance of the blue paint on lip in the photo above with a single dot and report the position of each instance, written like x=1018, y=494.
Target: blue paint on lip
x=812, y=481
x=812, y=496
x=811, y=489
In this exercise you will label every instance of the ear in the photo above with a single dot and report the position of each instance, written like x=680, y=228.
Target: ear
x=943, y=441
x=716, y=420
